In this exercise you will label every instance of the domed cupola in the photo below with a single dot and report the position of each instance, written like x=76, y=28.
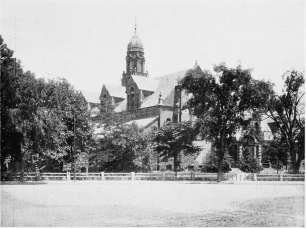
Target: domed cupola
x=135, y=43
x=135, y=60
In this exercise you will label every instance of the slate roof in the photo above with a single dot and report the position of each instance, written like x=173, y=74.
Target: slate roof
x=166, y=88
x=116, y=91
x=121, y=106
x=143, y=123
x=264, y=123
x=145, y=83
x=91, y=97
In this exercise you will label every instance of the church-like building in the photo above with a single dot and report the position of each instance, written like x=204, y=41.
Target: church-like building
x=147, y=101
x=150, y=102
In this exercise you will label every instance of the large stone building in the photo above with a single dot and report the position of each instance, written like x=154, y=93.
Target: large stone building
x=150, y=102
x=140, y=97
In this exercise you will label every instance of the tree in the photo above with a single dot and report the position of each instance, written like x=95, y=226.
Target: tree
x=172, y=139
x=11, y=137
x=210, y=164
x=123, y=148
x=286, y=111
x=39, y=118
x=68, y=121
x=220, y=103
x=275, y=152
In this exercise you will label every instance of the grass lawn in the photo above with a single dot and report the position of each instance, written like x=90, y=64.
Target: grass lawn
x=146, y=203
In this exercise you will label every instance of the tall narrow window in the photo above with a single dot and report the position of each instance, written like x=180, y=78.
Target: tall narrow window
x=132, y=98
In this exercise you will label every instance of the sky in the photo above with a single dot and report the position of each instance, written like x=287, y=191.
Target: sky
x=86, y=41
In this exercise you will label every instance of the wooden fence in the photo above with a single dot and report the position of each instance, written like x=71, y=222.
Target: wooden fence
x=280, y=177
x=160, y=176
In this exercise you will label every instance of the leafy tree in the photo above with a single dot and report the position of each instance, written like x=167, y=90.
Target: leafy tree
x=275, y=152
x=210, y=164
x=286, y=111
x=37, y=117
x=172, y=139
x=123, y=148
x=220, y=103
x=69, y=121
x=25, y=116
x=249, y=164
x=11, y=137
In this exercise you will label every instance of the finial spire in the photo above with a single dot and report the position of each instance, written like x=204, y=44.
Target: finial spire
x=196, y=65
x=160, y=100
x=135, y=24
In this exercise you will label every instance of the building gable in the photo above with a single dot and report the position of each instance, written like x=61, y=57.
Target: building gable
x=165, y=87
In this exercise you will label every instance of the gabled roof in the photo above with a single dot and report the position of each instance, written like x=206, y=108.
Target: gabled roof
x=145, y=83
x=121, y=106
x=166, y=88
x=91, y=97
x=115, y=91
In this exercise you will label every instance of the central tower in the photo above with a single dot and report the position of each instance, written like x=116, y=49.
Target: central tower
x=135, y=60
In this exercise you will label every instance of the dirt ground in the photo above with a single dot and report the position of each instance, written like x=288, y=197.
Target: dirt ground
x=151, y=204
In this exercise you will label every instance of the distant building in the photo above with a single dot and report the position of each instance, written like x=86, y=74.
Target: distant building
x=93, y=102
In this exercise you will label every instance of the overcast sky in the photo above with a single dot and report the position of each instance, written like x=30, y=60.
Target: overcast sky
x=86, y=41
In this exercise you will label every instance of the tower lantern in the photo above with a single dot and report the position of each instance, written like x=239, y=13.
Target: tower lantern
x=135, y=60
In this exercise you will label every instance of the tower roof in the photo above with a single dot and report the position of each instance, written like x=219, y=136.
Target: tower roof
x=135, y=43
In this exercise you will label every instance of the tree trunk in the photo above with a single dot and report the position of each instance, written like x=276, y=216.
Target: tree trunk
x=21, y=169
x=297, y=165
x=294, y=164
x=219, y=170
x=296, y=160
x=221, y=153
x=175, y=166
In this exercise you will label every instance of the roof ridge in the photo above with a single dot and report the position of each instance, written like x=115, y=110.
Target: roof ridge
x=174, y=73
x=113, y=85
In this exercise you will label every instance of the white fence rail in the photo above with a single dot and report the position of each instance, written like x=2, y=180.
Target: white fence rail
x=280, y=177
x=161, y=176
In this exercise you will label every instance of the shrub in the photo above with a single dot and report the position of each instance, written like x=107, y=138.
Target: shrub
x=249, y=164
x=210, y=165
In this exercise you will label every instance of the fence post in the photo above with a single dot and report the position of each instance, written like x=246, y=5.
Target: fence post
x=239, y=175
x=163, y=176
x=281, y=177
x=68, y=176
x=254, y=176
x=132, y=176
x=192, y=176
x=102, y=176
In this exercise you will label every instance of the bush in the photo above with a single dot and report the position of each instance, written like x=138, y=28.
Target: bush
x=249, y=164
x=211, y=163
x=213, y=168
